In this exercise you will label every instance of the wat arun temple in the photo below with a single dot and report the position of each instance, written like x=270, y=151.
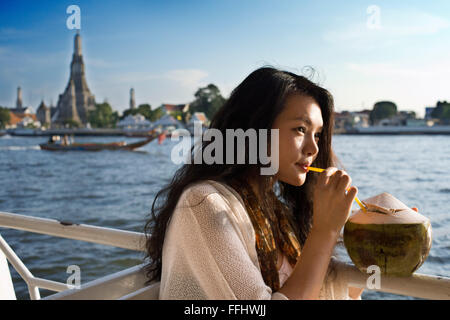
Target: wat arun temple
x=77, y=100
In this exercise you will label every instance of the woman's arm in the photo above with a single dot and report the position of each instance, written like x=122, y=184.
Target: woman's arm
x=355, y=293
x=309, y=273
x=331, y=207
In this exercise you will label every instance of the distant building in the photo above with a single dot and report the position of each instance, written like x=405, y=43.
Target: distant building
x=77, y=100
x=134, y=122
x=348, y=120
x=428, y=112
x=171, y=108
x=197, y=117
x=361, y=118
x=343, y=121
x=416, y=123
x=22, y=120
x=132, y=99
x=167, y=122
x=43, y=113
x=20, y=109
x=19, y=98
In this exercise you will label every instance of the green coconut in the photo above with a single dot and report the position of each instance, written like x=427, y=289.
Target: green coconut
x=389, y=235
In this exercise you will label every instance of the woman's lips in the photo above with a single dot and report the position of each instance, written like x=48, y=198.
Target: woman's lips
x=302, y=167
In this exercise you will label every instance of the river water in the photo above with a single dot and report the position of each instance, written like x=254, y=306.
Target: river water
x=116, y=188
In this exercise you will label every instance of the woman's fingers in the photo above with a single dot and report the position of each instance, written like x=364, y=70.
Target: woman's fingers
x=344, y=182
x=415, y=209
x=324, y=176
x=351, y=194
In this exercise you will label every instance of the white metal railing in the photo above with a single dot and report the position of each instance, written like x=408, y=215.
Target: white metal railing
x=106, y=236
x=115, y=286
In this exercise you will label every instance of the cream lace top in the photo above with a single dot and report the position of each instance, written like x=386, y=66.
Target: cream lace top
x=209, y=251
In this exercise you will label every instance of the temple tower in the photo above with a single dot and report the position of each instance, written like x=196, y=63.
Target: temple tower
x=77, y=100
x=132, y=100
x=19, y=98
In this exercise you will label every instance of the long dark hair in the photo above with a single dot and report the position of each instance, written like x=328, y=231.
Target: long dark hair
x=255, y=103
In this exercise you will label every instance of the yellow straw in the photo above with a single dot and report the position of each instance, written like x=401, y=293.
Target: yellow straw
x=363, y=208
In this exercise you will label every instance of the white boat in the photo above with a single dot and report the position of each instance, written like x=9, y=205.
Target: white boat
x=129, y=284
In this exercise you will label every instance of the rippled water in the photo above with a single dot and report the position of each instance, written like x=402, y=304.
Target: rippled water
x=116, y=188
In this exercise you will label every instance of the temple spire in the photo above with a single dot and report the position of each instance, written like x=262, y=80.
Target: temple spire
x=77, y=100
x=132, y=100
x=19, y=98
x=77, y=46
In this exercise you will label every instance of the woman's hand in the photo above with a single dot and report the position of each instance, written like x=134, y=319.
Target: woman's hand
x=331, y=203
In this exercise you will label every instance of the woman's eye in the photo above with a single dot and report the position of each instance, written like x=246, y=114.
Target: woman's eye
x=301, y=129
x=318, y=135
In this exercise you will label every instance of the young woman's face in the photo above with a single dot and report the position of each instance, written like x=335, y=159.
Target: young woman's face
x=300, y=126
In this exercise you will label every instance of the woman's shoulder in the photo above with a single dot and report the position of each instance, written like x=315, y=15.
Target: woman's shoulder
x=196, y=192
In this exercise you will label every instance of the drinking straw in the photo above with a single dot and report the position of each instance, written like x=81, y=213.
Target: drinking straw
x=363, y=208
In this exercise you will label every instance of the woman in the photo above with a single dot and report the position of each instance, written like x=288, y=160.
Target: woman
x=225, y=231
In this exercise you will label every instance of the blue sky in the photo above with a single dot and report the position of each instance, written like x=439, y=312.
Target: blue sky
x=167, y=49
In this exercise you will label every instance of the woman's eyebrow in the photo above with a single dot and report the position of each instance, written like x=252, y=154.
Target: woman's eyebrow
x=307, y=121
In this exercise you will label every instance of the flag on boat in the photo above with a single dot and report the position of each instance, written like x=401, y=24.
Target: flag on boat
x=161, y=137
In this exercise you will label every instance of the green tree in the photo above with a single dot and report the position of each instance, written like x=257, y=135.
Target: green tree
x=208, y=100
x=71, y=123
x=103, y=116
x=442, y=111
x=146, y=111
x=382, y=110
x=5, y=117
x=179, y=115
x=128, y=112
x=156, y=114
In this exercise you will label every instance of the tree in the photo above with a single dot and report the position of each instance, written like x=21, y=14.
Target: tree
x=208, y=100
x=103, y=116
x=5, y=117
x=382, y=110
x=442, y=111
x=146, y=111
x=179, y=115
x=156, y=114
x=70, y=123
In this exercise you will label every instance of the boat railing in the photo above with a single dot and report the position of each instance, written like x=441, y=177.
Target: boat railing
x=130, y=283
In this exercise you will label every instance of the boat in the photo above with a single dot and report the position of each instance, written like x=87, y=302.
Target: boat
x=96, y=146
x=130, y=283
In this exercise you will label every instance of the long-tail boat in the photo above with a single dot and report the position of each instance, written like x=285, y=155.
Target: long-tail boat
x=96, y=146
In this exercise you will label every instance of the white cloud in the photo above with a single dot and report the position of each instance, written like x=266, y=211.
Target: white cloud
x=393, y=24
x=190, y=78
x=14, y=34
x=430, y=70
x=172, y=86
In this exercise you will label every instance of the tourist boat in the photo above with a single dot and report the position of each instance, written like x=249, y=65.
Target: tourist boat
x=130, y=283
x=96, y=146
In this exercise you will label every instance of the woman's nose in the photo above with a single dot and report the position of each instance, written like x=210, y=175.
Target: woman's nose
x=310, y=147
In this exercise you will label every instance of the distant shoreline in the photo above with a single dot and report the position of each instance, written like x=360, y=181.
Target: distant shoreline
x=398, y=130
x=375, y=130
x=76, y=132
